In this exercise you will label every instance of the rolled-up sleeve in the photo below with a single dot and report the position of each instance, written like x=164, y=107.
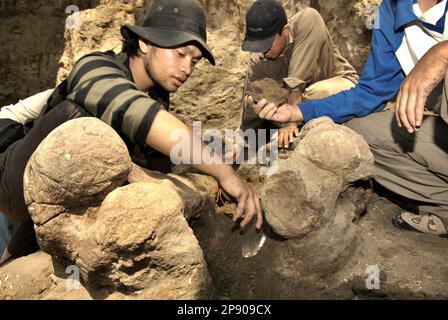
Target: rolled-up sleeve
x=310, y=35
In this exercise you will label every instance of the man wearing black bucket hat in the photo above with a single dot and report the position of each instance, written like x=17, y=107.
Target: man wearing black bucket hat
x=299, y=55
x=127, y=91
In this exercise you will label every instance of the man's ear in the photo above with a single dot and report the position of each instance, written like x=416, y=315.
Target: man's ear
x=143, y=46
x=286, y=30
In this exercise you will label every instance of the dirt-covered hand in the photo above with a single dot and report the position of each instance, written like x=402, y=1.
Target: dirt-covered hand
x=249, y=205
x=287, y=134
x=417, y=86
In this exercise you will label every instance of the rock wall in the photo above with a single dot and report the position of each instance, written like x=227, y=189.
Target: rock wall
x=38, y=51
x=350, y=23
x=36, y=44
x=32, y=34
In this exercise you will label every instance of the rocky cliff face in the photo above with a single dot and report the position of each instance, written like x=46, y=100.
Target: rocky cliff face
x=36, y=43
x=38, y=50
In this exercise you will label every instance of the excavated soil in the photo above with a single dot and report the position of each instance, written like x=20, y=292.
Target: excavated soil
x=412, y=265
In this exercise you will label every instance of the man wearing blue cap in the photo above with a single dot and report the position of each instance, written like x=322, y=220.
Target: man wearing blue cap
x=299, y=55
x=128, y=91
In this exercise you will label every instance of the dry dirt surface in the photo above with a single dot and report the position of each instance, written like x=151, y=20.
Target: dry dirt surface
x=411, y=265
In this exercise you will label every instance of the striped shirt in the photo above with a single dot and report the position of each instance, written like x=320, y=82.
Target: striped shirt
x=102, y=84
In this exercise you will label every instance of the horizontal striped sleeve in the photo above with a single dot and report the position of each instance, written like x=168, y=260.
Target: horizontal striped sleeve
x=96, y=91
x=145, y=113
x=80, y=96
x=103, y=89
x=119, y=105
x=91, y=70
x=91, y=67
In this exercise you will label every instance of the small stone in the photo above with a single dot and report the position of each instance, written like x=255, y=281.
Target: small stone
x=267, y=89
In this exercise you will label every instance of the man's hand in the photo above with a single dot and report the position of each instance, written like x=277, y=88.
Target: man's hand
x=286, y=135
x=285, y=113
x=422, y=80
x=249, y=204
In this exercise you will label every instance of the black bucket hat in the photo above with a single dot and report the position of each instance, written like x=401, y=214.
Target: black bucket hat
x=172, y=23
x=264, y=19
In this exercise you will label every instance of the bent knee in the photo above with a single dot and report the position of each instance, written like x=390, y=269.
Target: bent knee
x=363, y=127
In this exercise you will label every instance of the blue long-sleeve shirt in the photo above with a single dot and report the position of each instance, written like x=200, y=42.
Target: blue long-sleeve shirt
x=383, y=73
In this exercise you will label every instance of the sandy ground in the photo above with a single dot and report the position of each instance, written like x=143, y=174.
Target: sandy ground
x=411, y=265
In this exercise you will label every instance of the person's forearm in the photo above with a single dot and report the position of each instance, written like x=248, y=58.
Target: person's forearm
x=295, y=97
x=160, y=136
x=298, y=114
x=219, y=171
x=442, y=48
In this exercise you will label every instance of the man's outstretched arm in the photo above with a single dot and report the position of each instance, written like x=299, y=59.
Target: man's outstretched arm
x=159, y=135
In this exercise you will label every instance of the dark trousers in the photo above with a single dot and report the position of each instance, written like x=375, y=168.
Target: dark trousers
x=12, y=167
x=413, y=166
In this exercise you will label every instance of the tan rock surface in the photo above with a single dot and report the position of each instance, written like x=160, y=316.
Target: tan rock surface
x=133, y=239
x=26, y=278
x=327, y=159
x=267, y=89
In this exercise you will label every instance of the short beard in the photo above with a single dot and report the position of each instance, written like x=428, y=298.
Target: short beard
x=148, y=62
